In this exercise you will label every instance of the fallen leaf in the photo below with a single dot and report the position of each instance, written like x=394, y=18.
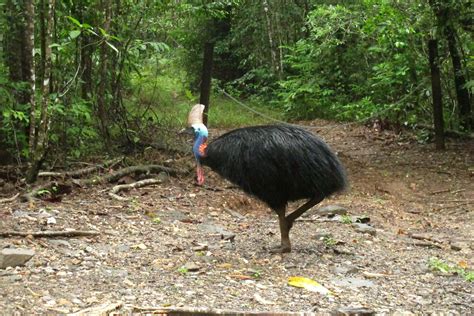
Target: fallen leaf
x=241, y=276
x=463, y=264
x=140, y=246
x=224, y=266
x=309, y=285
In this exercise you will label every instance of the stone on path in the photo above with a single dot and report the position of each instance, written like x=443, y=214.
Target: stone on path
x=332, y=210
x=364, y=228
x=12, y=257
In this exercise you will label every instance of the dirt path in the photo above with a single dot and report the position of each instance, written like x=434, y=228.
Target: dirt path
x=182, y=246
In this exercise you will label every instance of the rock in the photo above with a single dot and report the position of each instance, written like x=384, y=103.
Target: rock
x=51, y=220
x=459, y=245
x=11, y=257
x=322, y=235
x=346, y=269
x=191, y=266
x=352, y=311
x=364, y=228
x=60, y=242
x=20, y=213
x=216, y=229
x=331, y=210
x=353, y=282
x=362, y=219
x=201, y=247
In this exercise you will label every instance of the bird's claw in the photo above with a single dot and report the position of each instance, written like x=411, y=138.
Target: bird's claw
x=280, y=249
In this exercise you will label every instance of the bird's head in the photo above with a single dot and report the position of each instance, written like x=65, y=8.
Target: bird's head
x=200, y=138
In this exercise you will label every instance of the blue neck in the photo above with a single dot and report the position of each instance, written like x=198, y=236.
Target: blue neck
x=200, y=139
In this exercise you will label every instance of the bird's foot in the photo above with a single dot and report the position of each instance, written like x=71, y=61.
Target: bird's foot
x=281, y=249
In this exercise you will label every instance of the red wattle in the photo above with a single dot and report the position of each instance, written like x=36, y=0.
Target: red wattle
x=200, y=175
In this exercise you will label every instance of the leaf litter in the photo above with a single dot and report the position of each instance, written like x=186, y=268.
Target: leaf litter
x=142, y=256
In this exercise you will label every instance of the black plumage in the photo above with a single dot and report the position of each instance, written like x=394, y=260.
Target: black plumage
x=275, y=163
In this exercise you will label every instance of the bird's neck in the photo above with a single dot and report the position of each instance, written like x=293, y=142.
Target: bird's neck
x=200, y=147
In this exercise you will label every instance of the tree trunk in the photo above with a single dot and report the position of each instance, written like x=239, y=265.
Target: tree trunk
x=459, y=79
x=444, y=14
x=437, y=94
x=206, y=78
x=271, y=40
x=103, y=77
x=41, y=139
x=28, y=67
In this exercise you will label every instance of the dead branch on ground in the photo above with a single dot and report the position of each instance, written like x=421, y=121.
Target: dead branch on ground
x=81, y=172
x=125, y=187
x=51, y=233
x=113, y=177
x=10, y=199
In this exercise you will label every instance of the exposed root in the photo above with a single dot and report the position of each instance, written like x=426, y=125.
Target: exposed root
x=123, y=187
x=134, y=169
x=10, y=199
x=81, y=172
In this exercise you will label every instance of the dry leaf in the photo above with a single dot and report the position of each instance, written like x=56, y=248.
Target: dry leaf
x=309, y=285
x=224, y=266
x=241, y=276
x=463, y=264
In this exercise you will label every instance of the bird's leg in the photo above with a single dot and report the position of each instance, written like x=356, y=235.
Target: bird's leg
x=284, y=231
x=303, y=208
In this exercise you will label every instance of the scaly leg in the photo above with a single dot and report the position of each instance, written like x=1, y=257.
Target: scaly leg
x=284, y=231
x=286, y=222
x=303, y=208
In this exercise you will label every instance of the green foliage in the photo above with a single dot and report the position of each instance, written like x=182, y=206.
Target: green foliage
x=346, y=219
x=140, y=64
x=183, y=270
x=329, y=241
x=439, y=265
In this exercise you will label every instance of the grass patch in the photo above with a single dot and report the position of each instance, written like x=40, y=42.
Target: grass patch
x=165, y=101
x=227, y=113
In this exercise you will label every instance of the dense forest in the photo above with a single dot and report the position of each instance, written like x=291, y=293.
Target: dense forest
x=81, y=77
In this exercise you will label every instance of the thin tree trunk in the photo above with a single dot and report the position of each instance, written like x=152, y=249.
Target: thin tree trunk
x=271, y=41
x=206, y=78
x=437, y=94
x=41, y=139
x=29, y=66
x=102, y=88
x=459, y=79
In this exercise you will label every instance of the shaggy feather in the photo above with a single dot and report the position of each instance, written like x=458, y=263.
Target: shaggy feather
x=276, y=163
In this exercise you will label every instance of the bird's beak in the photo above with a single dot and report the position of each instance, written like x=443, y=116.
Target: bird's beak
x=186, y=131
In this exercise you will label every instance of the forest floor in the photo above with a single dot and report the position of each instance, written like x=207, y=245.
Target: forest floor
x=177, y=245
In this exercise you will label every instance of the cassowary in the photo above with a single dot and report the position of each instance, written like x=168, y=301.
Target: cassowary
x=275, y=163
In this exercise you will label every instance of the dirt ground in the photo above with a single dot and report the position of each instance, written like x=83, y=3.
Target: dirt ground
x=177, y=245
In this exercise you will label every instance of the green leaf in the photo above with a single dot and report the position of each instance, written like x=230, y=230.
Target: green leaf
x=112, y=46
x=73, y=20
x=74, y=34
